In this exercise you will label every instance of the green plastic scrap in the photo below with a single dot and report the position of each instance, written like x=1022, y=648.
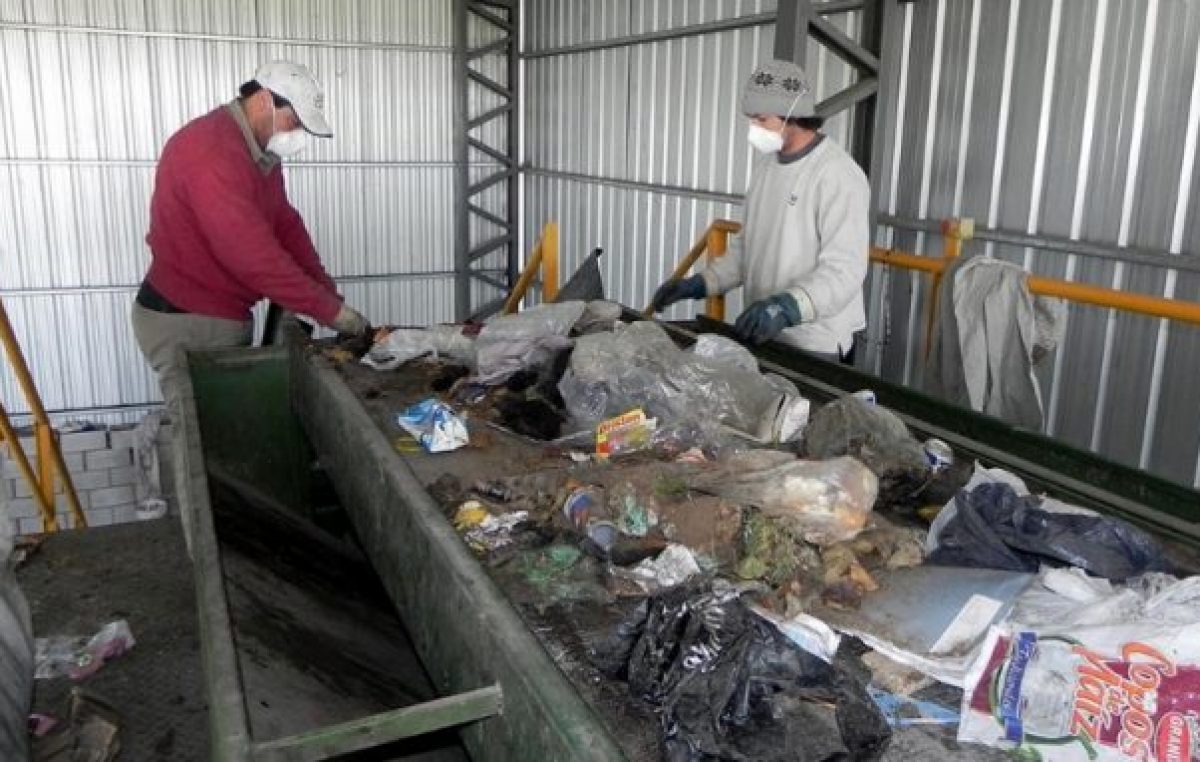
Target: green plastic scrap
x=768, y=551
x=634, y=518
x=547, y=565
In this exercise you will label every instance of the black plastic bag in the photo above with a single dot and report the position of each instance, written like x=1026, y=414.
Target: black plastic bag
x=996, y=528
x=731, y=687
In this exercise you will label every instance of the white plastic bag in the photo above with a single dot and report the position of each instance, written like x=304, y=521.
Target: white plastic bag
x=404, y=344
x=510, y=343
x=1086, y=670
x=434, y=425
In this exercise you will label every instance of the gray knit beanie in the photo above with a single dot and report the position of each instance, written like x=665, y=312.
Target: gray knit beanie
x=778, y=88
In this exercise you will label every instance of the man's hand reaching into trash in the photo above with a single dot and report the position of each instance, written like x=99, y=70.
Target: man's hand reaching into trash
x=678, y=289
x=350, y=322
x=767, y=318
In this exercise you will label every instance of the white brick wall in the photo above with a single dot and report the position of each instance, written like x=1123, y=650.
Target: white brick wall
x=102, y=470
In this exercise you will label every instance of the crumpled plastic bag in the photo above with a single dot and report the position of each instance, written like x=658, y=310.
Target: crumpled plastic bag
x=724, y=349
x=876, y=437
x=511, y=343
x=80, y=656
x=994, y=527
x=732, y=687
x=640, y=366
x=820, y=501
x=404, y=344
x=434, y=425
x=1085, y=671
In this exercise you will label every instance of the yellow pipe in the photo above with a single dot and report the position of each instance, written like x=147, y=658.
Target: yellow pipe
x=527, y=275
x=1138, y=304
x=25, y=379
x=550, y=262
x=46, y=506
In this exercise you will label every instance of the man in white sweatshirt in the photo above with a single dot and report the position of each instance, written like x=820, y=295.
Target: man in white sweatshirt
x=804, y=248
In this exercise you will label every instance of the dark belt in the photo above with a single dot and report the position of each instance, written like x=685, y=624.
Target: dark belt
x=149, y=298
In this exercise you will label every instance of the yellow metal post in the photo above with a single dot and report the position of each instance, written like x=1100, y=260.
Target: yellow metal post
x=527, y=276
x=718, y=244
x=45, y=505
x=51, y=455
x=954, y=232
x=550, y=262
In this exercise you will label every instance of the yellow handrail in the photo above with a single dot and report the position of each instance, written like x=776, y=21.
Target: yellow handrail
x=544, y=258
x=50, y=461
x=957, y=231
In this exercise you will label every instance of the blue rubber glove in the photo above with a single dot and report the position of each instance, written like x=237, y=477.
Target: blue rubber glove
x=767, y=318
x=676, y=290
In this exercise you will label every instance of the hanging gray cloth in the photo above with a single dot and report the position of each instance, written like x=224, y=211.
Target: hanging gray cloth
x=991, y=332
x=16, y=656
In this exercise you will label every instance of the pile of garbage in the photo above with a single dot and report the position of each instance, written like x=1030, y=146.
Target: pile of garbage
x=810, y=576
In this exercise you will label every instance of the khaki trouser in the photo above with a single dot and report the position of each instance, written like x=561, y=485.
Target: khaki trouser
x=161, y=335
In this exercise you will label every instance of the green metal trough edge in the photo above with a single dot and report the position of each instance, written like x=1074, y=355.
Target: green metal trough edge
x=466, y=632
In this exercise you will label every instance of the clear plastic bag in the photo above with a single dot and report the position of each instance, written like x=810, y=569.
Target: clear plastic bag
x=875, y=436
x=640, y=366
x=717, y=347
x=79, y=656
x=822, y=502
x=404, y=344
x=510, y=343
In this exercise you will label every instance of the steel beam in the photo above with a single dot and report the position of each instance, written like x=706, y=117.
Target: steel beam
x=462, y=180
x=503, y=16
x=791, y=30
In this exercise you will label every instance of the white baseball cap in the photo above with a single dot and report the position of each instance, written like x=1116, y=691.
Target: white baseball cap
x=295, y=83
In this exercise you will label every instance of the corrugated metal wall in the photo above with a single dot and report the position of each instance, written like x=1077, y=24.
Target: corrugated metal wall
x=1062, y=118
x=663, y=115
x=91, y=89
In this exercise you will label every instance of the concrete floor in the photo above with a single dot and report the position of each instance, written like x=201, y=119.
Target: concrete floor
x=81, y=580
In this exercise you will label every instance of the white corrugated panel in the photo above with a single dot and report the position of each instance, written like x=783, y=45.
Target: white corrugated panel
x=1063, y=119
x=91, y=89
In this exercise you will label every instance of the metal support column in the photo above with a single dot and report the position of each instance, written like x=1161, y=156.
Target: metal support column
x=791, y=30
x=796, y=20
x=862, y=127
x=485, y=187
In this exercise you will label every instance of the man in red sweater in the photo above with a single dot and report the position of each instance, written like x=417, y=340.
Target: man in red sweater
x=222, y=232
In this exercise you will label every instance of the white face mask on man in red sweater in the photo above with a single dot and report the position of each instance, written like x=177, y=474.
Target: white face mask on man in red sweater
x=285, y=144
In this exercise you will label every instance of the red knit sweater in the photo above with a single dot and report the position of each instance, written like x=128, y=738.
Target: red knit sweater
x=223, y=234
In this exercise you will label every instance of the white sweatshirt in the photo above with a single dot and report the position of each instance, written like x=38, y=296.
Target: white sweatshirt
x=806, y=230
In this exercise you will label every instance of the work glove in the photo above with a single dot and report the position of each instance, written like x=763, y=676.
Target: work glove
x=349, y=322
x=677, y=289
x=767, y=318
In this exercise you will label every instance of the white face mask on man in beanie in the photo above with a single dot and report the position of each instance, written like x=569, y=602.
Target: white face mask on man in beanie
x=776, y=88
x=769, y=141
